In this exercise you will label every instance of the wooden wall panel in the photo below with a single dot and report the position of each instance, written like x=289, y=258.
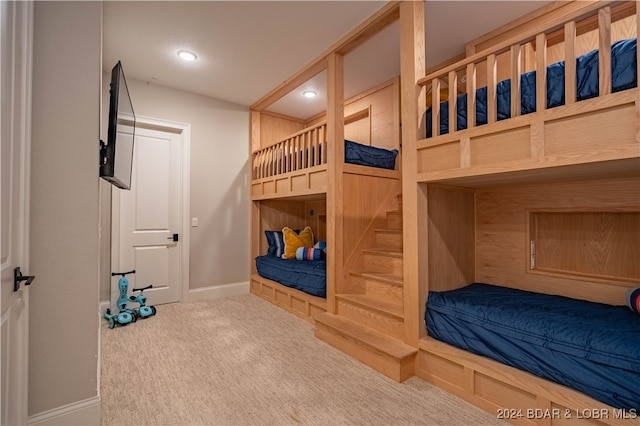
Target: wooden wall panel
x=596, y=244
x=316, y=218
x=439, y=157
x=510, y=145
x=382, y=122
x=276, y=214
x=274, y=128
x=591, y=131
x=502, y=233
x=384, y=117
x=450, y=237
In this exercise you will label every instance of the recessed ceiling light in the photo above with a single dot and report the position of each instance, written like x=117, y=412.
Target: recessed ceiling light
x=187, y=56
x=309, y=94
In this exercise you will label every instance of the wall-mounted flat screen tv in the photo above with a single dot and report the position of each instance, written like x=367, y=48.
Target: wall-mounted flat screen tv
x=116, y=156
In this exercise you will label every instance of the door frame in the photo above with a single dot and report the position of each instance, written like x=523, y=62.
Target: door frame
x=21, y=103
x=184, y=130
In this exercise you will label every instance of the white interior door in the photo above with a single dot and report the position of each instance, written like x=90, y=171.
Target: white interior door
x=16, y=21
x=149, y=215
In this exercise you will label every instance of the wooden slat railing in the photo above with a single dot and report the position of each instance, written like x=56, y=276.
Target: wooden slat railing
x=304, y=149
x=448, y=76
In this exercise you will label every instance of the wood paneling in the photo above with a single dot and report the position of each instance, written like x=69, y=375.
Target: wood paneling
x=274, y=128
x=298, y=303
x=510, y=145
x=451, y=237
x=598, y=130
x=596, y=244
x=275, y=215
x=373, y=117
x=502, y=238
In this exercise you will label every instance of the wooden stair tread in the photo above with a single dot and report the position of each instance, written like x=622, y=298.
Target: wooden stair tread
x=387, y=278
x=373, y=303
x=389, y=231
x=389, y=252
x=367, y=336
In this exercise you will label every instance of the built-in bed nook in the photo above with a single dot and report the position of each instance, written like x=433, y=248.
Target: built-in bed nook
x=527, y=244
x=302, y=177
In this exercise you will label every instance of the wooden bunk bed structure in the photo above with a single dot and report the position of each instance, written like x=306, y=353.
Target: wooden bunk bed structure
x=491, y=201
x=300, y=177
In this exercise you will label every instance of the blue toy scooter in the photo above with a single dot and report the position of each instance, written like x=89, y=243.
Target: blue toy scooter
x=127, y=315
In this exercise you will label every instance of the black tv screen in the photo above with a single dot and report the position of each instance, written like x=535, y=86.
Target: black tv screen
x=116, y=156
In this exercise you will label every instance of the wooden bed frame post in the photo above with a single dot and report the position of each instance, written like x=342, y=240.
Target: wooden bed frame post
x=335, y=166
x=254, y=145
x=413, y=98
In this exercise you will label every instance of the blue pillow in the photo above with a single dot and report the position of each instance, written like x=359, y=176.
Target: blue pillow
x=275, y=239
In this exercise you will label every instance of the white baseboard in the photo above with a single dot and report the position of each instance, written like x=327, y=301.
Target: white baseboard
x=103, y=307
x=217, y=291
x=85, y=412
x=204, y=293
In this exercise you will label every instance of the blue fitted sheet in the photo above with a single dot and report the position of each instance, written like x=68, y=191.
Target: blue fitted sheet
x=309, y=276
x=623, y=76
x=591, y=347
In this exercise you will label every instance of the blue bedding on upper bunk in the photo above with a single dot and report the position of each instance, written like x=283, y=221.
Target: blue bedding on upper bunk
x=623, y=76
x=591, y=347
x=360, y=154
x=365, y=155
x=309, y=276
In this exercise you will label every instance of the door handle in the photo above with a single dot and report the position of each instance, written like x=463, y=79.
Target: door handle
x=18, y=278
x=174, y=237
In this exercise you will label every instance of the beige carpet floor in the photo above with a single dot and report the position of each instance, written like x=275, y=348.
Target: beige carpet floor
x=243, y=361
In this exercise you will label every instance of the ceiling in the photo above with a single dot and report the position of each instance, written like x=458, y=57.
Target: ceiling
x=247, y=48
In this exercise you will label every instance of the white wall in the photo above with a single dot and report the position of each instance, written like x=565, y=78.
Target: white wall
x=63, y=322
x=219, y=246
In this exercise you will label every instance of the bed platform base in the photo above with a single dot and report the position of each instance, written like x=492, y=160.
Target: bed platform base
x=511, y=394
x=295, y=301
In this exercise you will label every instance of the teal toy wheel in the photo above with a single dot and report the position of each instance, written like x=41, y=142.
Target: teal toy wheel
x=112, y=323
x=146, y=311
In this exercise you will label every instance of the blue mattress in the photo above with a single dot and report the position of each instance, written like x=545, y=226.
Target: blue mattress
x=309, y=276
x=591, y=347
x=623, y=76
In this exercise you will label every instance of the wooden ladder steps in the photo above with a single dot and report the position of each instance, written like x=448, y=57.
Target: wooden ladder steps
x=384, y=260
x=388, y=252
x=389, y=238
x=394, y=219
x=385, y=278
x=374, y=303
x=385, y=354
